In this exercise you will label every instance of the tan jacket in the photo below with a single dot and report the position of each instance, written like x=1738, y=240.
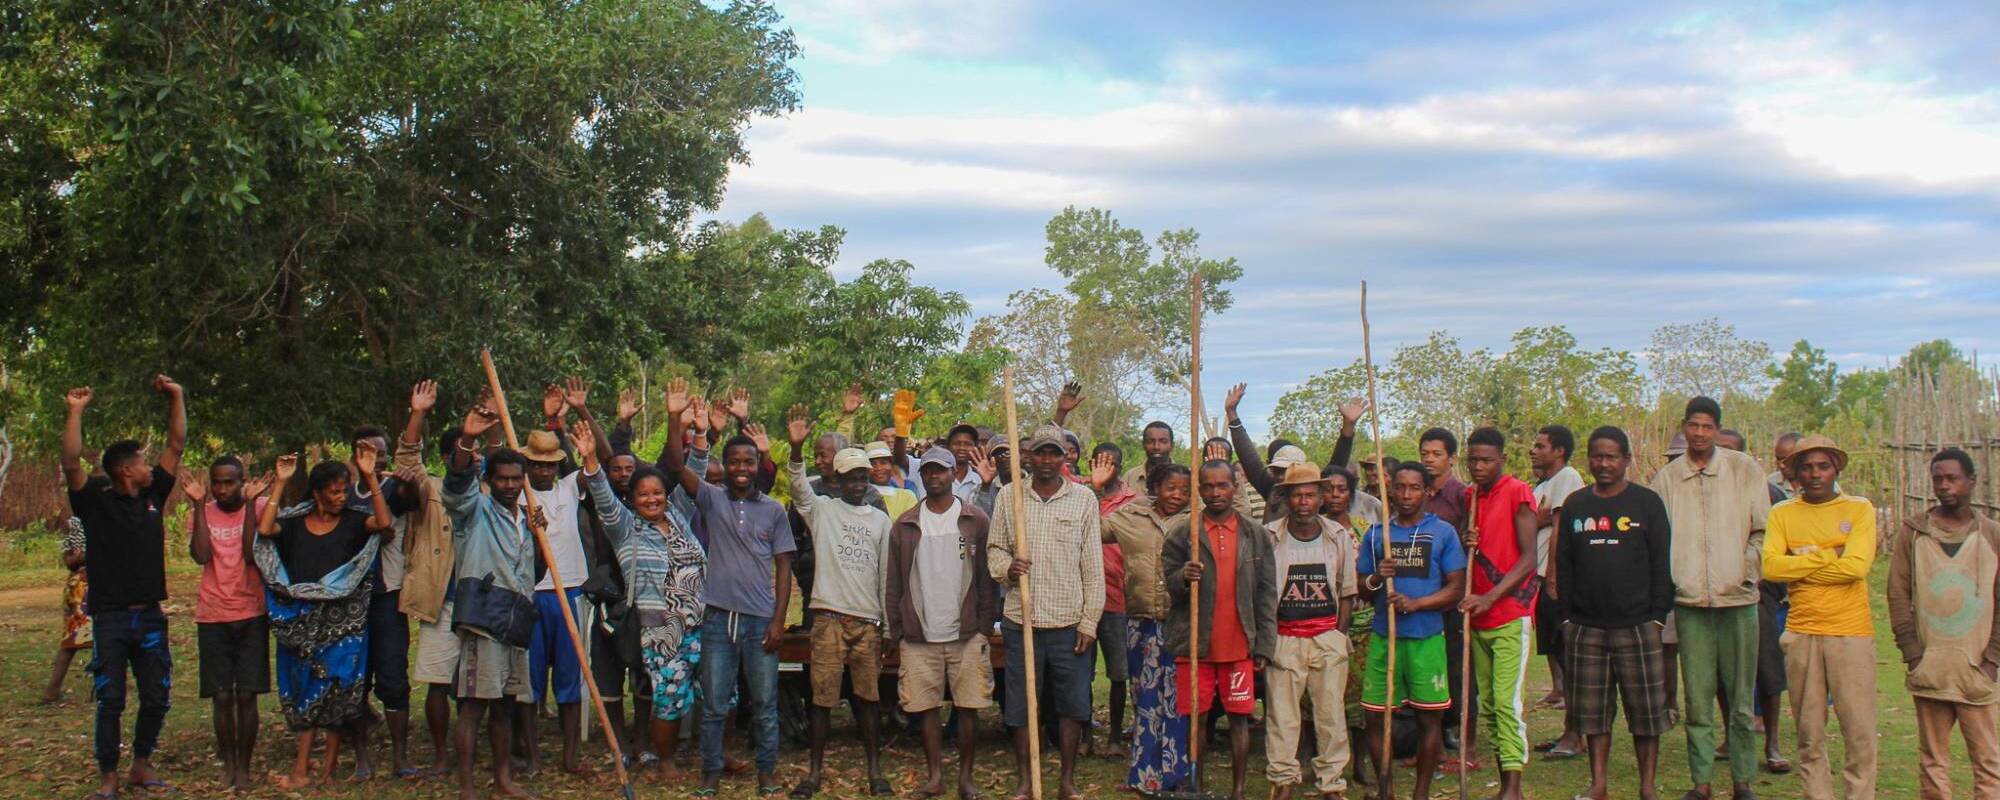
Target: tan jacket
x=1718, y=522
x=1941, y=609
x=1140, y=532
x=427, y=547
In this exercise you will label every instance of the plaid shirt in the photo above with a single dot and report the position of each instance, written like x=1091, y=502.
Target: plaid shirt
x=1065, y=544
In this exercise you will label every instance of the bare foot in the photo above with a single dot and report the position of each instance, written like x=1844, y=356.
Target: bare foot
x=293, y=781
x=580, y=769
x=509, y=788
x=933, y=788
x=967, y=790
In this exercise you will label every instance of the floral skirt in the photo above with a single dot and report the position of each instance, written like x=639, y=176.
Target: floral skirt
x=1159, y=732
x=322, y=658
x=672, y=670
x=1360, y=629
x=76, y=618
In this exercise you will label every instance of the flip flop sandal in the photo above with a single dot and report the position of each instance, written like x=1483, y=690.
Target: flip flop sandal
x=157, y=786
x=1777, y=766
x=805, y=790
x=1744, y=793
x=770, y=791
x=1546, y=746
x=1562, y=754
x=409, y=773
x=1695, y=795
x=880, y=787
x=702, y=792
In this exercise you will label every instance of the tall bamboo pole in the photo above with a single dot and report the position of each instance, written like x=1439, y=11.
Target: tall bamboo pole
x=1389, y=586
x=1195, y=442
x=1020, y=508
x=555, y=577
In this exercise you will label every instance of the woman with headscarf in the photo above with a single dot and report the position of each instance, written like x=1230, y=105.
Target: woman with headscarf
x=315, y=559
x=664, y=570
x=1159, y=748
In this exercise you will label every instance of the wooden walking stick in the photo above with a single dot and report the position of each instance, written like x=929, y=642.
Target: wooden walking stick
x=555, y=577
x=1027, y=606
x=1467, y=712
x=1389, y=585
x=1195, y=729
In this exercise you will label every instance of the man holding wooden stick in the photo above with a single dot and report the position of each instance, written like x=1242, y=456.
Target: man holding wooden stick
x=1424, y=553
x=1501, y=605
x=1067, y=586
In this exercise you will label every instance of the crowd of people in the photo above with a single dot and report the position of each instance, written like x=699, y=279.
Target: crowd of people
x=1370, y=611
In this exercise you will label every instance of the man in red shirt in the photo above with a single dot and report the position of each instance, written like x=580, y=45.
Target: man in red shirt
x=1239, y=609
x=1112, y=494
x=1501, y=603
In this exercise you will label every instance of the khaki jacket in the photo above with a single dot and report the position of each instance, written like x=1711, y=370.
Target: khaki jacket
x=1718, y=516
x=427, y=545
x=1140, y=533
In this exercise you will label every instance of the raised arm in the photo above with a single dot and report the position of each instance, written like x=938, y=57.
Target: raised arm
x=177, y=423
x=798, y=429
x=576, y=395
x=1350, y=412
x=904, y=415
x=1247, y=452
x=201, y=546
x=671, y=460
x=365, y=460
x=267, y=523
x=850, y=404
x=1071, y=397
x=74, y=472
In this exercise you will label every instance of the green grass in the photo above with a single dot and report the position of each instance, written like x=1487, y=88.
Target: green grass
x=48, y=748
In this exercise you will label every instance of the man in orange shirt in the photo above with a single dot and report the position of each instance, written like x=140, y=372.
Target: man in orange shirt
x=1238, y=593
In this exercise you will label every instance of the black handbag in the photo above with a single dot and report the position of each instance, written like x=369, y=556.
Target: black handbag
x=504, y=614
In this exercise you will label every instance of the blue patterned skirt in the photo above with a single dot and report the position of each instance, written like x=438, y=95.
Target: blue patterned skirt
x=1159, y=732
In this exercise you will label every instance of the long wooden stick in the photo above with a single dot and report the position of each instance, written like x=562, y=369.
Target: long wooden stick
x=1389, y=585
x=555, y=577
x=1027, y=600
x=1195, y=443
x=1466, y=711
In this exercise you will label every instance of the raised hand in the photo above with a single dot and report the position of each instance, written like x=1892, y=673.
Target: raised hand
x=410, y=475
x=798, y=426
x=78, y=397
x=757, y=434
x=1103, y=467
x=288, y=465
x=1235, y=396
x=718, y=411
x=192, y=486
x=1071, y=397
x=576, y=393
x=478, y=421
x=165, y=385
x=983, y=464
x=423, y=396
x=739, y=404
x=1352, y=409
x=677, y=395
x=1215, y=451
x=364, y=458
x=696, y=415
x=905, y=412
x=629, y=405
x=552, y=402
x=851, y=401
x=585, y=441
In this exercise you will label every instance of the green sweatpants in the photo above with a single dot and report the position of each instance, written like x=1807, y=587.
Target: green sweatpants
x=1718, y=646
x=1500, y=666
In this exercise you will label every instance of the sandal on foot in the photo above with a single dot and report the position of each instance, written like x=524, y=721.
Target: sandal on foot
x=1743, y=793
x=805, y=790
x=1561, y=753
x=157, y=786
x=880, y=787
x=1777, y=766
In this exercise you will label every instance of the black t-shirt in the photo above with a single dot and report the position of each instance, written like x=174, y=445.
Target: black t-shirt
x=125, y=542
x=309, y=557
x=1614, y=569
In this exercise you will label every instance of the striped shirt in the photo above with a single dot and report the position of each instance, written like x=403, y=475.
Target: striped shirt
x=1065, y=545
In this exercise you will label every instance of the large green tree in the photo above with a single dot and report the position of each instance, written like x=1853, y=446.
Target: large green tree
x=299, y=208
x=1806, y=386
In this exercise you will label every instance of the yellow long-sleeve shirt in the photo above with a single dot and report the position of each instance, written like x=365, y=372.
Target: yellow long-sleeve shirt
x=1824, y=550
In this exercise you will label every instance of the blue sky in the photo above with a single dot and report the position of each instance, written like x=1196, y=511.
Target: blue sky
x=1828, y=171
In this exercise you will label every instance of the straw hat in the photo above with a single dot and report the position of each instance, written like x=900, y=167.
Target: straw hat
x=1300, y=475
x=543, y=446
x=1819, y=441
x=1288, y=457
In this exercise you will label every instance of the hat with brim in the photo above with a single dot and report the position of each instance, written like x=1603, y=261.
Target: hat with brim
x=543, y=446
x=849, y=459
x=1300, y=475
x=1045, y=436
x=998, y=446
x=938, y=456
x=1818, y=441
x=1287, y=457
x=880, y=450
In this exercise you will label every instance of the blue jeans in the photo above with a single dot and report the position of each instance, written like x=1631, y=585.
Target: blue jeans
x=730, y=641
x=138, y=639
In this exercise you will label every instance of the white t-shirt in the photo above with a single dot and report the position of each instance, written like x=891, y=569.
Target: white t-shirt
x=558, y=506
x=850, y=551
x=1550, y=494
x=941, y=567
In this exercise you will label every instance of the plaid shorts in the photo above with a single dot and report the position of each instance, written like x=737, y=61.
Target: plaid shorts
x=1629, y=661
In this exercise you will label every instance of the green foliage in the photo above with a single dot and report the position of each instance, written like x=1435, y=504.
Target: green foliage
x=1310, y=413
x=1805, y=387
x=314, y=204
x=1112, y=273
x=1707, y=358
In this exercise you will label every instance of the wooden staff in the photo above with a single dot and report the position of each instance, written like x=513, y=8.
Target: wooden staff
x=1389, y=585
x=1027, y=605
x=1466, y=712
x=1194, y=541
x=555, y=577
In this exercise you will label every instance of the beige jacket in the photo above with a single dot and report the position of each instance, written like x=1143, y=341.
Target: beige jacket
x=427, y=546
x=1718, y=516
x=1140, y=533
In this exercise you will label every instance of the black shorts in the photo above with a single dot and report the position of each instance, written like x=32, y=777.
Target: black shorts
x=614, y=658
x=1549, y=617
x=235, y=656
